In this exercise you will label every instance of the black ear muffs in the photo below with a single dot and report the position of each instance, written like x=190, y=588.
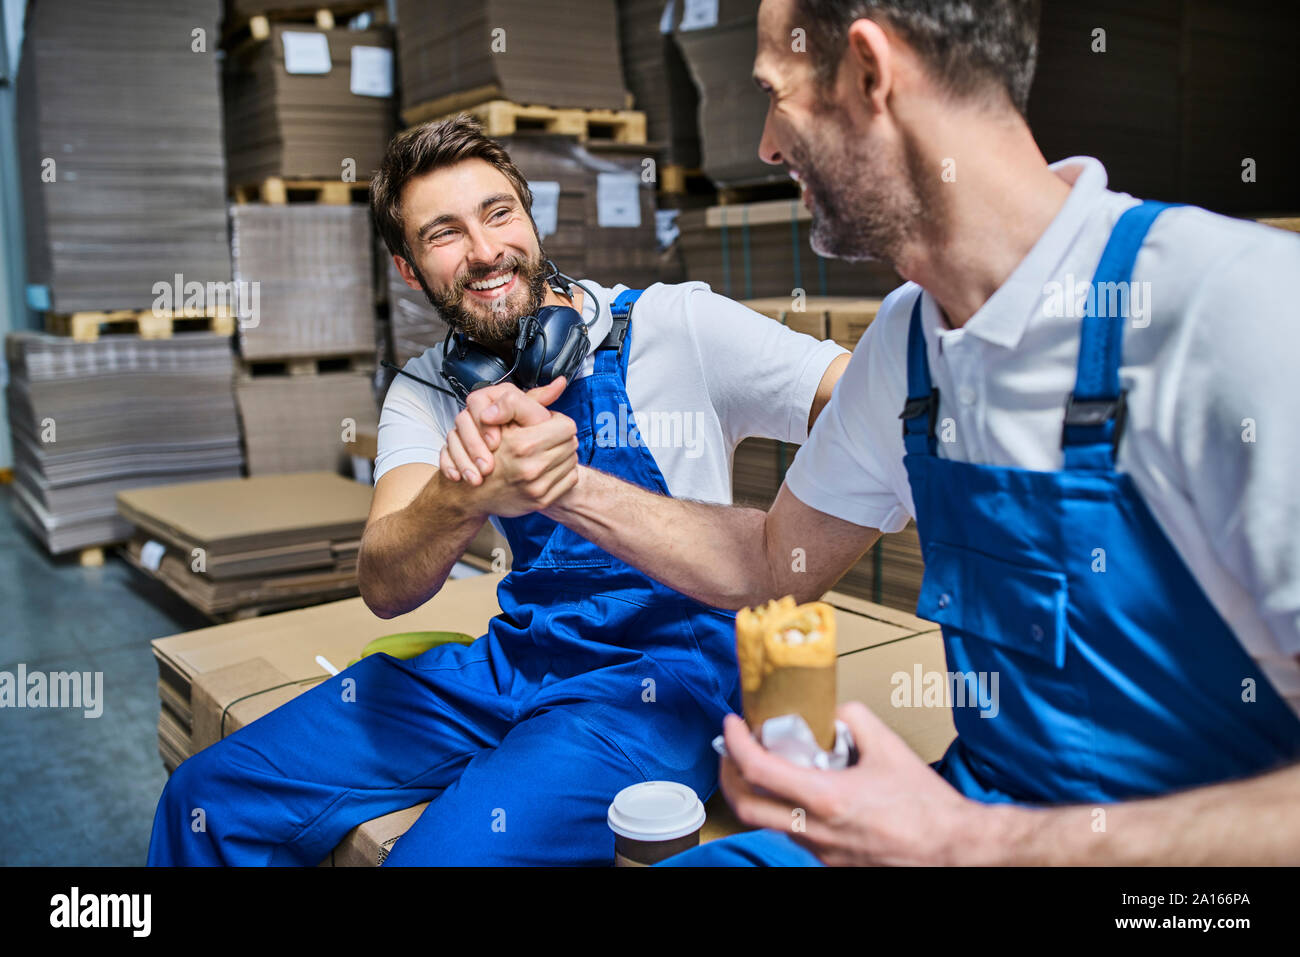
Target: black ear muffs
x=551, y=344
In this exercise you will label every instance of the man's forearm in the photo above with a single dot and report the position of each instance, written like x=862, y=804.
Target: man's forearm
x=1242, y=822
x=715, y=554
x=405, y=556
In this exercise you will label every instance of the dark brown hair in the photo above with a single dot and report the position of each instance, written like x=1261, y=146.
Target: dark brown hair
x=969, y=45
x=423, y=149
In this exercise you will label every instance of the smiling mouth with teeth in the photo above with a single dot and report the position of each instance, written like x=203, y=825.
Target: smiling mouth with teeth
x=487, y=285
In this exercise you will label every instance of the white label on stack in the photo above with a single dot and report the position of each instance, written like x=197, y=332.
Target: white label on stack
x=546, y=206
x=698, y=14
x=666, y=20
x=372, y=71
x=618, y=199
x=151, y=554
x=666, y=228
x=305, y=52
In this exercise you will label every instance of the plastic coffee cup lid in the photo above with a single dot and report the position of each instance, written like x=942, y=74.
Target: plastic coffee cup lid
x=656, y=811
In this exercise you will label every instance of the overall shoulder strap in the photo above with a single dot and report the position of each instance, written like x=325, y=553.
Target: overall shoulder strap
x=1094, y=413
x=621, y=310
x=921, y=411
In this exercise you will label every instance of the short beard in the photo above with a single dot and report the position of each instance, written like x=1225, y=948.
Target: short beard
x=501, y=325
x=865, y=205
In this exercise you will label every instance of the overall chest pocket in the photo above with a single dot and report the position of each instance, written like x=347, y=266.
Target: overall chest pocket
x=566, y=548
x=983, y=599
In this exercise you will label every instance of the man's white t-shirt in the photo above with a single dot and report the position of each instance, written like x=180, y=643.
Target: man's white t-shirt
x=1212, y=371
x=703, y=373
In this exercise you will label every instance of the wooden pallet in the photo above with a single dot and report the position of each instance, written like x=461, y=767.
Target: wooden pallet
x=505, y=118
x=1291, y=223
x=758, y=193
x=92, y=557
x=86, y=326
x=306, y=365
x=258, y=26
x=677, y=180
x=278, y=191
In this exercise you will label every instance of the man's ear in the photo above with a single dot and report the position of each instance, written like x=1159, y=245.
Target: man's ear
x=871, y=57
x=408, y=274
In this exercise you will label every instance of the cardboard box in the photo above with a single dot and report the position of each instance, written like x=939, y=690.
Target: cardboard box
x=275, y=656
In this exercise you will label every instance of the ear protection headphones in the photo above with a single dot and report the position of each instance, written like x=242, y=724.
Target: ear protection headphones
x=550, y=344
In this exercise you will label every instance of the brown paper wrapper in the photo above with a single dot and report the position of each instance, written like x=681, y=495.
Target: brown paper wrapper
x=809, y=692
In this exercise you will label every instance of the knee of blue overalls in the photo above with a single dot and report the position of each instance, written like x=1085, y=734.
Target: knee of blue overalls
x=180, y=836
x=751, y=849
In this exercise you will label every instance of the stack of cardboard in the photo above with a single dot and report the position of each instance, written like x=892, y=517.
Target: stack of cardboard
x=216, y=680
x=323, y=111
x=241, y=546
x=554, y=54
x=89, y=419
x=297, y=423
x=718, y=40
x=120, y=144
x=313, y=268
x=756, y=250
x=842, y=318
x=660, y=83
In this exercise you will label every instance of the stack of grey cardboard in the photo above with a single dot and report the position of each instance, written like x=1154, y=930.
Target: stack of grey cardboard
x=120, y=145
x=250, y=544
x=657, y=76
x=248, y=8
x=328, y=117
x=762, y=249
x=89, y=419
x=552, y=54
x=296, y=423
x=718, y=39
x=312, y=265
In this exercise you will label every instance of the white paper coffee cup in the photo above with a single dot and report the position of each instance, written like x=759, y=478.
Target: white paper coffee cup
x=653, y=821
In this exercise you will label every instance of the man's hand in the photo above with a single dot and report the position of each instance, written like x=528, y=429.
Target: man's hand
x=890, y=808
x=471, y=444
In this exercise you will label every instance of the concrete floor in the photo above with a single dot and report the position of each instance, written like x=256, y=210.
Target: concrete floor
x=77, y=790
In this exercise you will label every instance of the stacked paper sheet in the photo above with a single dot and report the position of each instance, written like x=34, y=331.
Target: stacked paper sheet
x=120, y=145
x=251, y=544
x=89, y=419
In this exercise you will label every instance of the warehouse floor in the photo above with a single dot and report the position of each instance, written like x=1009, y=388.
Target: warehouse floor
x=75, y=790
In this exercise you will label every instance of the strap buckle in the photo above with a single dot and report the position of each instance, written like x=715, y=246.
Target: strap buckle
x=617, y=334
x=1094, y=414
x=921, y=406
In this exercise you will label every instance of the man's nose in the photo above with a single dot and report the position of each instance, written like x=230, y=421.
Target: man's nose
x=767, y=149
x=483, y=250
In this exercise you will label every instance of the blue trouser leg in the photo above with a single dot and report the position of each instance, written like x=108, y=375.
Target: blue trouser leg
x=381, y=736
x=539, y=798
x=752, y=849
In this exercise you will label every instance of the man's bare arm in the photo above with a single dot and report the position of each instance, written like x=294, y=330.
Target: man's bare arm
x=721, y=555
x=1241, y=822
x=420, y=524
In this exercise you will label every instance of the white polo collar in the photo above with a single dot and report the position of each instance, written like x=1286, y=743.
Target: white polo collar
x=1003, y=318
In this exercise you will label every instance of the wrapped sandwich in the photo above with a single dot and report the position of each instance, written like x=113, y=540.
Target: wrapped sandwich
x=787, y=664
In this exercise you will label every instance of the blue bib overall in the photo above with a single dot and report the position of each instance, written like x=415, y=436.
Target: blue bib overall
x=593, y=677
x=1118, y=679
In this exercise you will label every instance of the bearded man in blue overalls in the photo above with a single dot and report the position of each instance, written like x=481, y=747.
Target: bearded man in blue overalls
x=1097, y=444
x=594, y=677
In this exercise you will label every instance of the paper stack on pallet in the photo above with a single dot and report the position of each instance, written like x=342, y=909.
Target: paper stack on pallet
x=657, y=76
x=309, y=103
x=414, y=324
x=297, y=423
x=248, y=545
x=313, y=266
x=718, y=39
x=757, y=250
x=89, y=419
x=214, y=681
x=553, y=54
x=120, y=146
